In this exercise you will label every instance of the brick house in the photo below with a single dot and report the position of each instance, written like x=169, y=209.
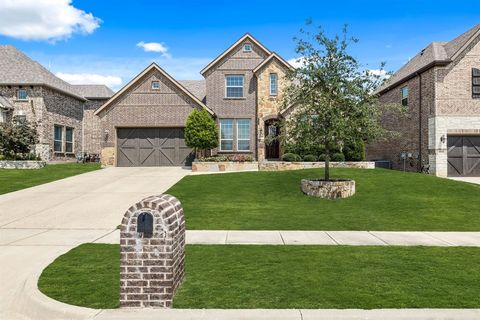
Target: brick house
x=30, y=92
x=440, y=88
x=143, y=123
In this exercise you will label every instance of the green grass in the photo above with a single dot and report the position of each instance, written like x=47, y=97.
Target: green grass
x=87, y=275
x=285, y=277
x=385, y=200
x=17, y=179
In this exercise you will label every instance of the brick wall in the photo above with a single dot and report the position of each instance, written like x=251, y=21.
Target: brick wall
x=92, y=127
x=152, y=267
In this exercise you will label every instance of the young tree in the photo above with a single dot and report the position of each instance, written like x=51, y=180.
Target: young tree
x=331, y=95
x=16, y=139
x=201, y=132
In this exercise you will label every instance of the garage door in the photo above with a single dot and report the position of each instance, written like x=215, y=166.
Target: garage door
x=463, y=156
x=150, y=147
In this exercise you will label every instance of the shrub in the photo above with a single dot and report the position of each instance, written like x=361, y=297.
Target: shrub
x=16, y=139
x=338, y=157
x=228, y=158
x=354, y=151
x=322, y=157
x=290, y=157
x=310, y=158
x=201, y=132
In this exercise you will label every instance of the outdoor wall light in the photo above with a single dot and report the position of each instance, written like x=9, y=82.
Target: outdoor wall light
x=105, y=135
x=443, y=138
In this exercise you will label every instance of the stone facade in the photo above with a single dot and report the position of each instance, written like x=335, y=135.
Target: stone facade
x=283, y=165
x=442, y=107
x=46, y=107
x=268, y=106
x=27, y=164
x=152, y=266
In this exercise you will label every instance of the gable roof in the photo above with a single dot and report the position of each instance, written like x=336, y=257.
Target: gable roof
x=436, y=53
x=153, y=66
x=247, y=36
x=94, y=91
x=18, y=69
x=272, y=56
x=5, y=104
x=197, y=87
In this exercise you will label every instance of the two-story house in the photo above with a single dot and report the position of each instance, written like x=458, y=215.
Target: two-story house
x=440, y=90
x=29, y=92
x=143, y=123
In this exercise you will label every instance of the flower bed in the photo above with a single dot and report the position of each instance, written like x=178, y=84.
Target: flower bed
x=21, y=164
x=284, y=165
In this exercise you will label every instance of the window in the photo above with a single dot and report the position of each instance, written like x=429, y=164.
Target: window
x=273, y=84
x=476, y=83
x=3, y=116
x=243, y=134
x=68, y=139
x=58, y=138
x=155, y=85
x=22, y=94
x=226, y=135
x=404, y=93
x=234, y=85
x=247, y=47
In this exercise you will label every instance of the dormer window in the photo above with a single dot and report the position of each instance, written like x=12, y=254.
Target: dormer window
x=22, y=94
x=475, y=83
x=404, y=95
x=247, y=47
x=155, y=85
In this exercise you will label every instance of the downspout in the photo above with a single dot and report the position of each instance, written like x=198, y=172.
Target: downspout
x=420, y=118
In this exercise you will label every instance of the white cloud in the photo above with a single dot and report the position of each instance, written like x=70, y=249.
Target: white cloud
x=379, y=72
x=49, y=20
x=153, y=47
x=90, y=78
x=296, y=62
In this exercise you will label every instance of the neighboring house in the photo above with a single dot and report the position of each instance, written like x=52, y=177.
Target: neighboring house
x=30, y=92
x=440, y=88
x=143, y=123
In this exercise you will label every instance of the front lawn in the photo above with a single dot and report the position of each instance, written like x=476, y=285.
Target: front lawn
x=385, y=200
x=285, y=277
x=16, y=179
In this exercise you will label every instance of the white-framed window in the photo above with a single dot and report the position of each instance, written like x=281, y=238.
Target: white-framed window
x=247, y=47
x=226, y=134
x=234, y=86
x=68, y=139
x=243, y=134
x=404, y=94
x=273, y=84
x=57, y=138
x=3, y=116
x=475, y=83
x=155, y=85
x=22, y=94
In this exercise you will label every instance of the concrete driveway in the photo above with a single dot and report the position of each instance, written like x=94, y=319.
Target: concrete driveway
x=39, y=223
x=475, y=180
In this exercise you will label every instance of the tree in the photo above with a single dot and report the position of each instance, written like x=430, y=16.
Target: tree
x=201, y=132
x=16, y=139
x=331, y=96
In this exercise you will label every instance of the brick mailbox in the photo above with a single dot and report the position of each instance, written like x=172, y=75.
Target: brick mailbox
x=152, y=252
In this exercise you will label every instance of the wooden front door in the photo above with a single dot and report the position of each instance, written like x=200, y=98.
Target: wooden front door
x=272, y=145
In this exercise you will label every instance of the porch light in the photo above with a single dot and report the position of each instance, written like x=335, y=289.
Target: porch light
x=443, y=138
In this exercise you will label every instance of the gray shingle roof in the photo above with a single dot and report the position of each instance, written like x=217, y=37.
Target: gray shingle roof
x=94, y=91
x=18, y=69
x=434, y=53
x=196, y=87
x=4, y=103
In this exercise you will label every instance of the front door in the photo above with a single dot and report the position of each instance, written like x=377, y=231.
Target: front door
x=272, y=145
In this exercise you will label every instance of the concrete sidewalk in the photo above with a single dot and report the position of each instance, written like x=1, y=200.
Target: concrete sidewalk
x=330, y=238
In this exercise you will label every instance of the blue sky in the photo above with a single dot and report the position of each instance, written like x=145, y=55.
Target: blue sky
x=97, y=41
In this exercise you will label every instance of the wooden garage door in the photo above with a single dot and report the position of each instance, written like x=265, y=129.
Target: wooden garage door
x=150, y=147
x=463, y=156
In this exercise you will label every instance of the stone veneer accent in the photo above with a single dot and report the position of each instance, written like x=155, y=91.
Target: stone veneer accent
x=152, y=267
x=283, y=165
x=21, y=164
x=332, y=189
x=226, y=166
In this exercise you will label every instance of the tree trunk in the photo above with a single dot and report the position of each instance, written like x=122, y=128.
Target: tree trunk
x=327, y=167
